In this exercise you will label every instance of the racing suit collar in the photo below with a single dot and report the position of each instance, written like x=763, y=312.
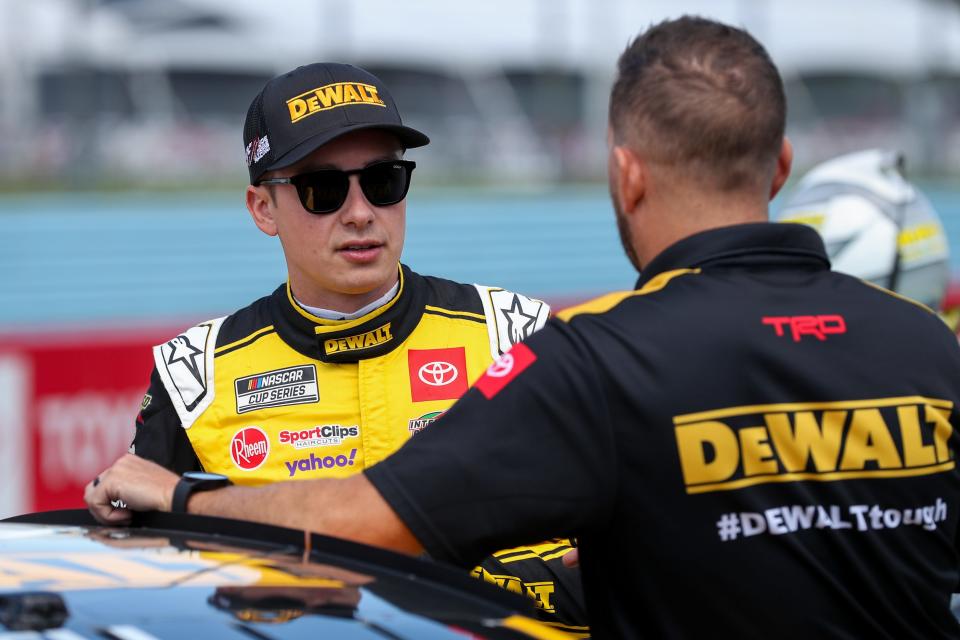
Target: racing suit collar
x=368, y=336
x=753, y=243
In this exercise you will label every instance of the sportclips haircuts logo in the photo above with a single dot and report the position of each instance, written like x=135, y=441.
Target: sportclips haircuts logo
x=249, y=448
x=331, y=96
x=822, y=441
x=321, y=436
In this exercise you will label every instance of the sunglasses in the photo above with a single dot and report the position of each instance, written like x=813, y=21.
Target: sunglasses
x=324, y=191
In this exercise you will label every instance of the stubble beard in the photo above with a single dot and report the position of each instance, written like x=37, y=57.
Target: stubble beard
x=626, y=236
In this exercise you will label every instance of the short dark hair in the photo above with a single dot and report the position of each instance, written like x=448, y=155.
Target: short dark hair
x=696, y=92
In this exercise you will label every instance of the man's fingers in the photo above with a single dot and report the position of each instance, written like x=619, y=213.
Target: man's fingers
x=130, y=484
x=572, y=559
x=105, y=513
x=118, y=516
x=111, y=516
x=105, y=508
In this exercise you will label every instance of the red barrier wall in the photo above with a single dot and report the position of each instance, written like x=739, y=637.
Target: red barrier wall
x=67, y=408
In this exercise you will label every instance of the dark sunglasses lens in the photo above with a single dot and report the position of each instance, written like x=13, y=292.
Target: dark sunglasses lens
x=323, y=191
x=385, y=183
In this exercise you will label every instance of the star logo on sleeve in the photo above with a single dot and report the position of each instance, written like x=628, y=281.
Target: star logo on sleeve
x=183, y=351
x=518, y=322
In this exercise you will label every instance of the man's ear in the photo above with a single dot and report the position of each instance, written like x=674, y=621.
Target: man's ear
x=631, y=179
x=259, y=206
x=784, y=162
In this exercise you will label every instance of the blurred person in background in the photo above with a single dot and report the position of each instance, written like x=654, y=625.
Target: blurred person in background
x=355, y=353
x=875, y=224
x=746, y=445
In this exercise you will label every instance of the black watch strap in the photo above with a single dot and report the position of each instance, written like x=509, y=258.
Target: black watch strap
x=191, y=482
x=180, y=496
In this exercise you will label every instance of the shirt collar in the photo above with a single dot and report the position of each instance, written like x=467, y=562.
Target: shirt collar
x=330, y=314
x=371, y=335
x=753, y=243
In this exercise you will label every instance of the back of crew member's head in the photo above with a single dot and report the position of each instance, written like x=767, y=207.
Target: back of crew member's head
x=702, y=98
x=875, y=224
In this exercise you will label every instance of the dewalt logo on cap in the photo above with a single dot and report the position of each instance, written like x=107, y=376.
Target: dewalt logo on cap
x=820, y=441
x=331, y=96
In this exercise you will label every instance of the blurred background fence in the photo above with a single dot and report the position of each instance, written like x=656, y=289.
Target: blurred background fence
x=121, y=171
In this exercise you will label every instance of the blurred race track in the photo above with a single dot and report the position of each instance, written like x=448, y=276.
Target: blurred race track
x=80, y=259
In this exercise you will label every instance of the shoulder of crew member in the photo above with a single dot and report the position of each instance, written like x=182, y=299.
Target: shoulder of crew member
x=917, y=311
x=662, y=284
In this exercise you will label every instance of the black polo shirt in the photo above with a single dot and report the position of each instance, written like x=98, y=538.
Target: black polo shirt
x=748, y=445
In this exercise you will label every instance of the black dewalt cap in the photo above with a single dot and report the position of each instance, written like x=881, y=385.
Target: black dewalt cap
x=297, y=112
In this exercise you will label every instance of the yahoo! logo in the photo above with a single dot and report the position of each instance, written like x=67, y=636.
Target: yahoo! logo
x=315, y=462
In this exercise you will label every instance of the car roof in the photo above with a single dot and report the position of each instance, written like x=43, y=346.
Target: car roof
x=177, y=576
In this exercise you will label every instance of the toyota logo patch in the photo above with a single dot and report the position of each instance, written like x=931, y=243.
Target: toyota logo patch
x=501, y=366
x=438, y=373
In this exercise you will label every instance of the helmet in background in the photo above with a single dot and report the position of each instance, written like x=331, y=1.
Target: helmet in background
x=875, y=224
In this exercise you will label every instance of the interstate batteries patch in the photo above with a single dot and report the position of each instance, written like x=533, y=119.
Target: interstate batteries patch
x=294, y=385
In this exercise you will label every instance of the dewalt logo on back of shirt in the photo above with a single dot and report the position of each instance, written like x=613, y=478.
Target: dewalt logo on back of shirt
x=822, y=441
x=331, y=96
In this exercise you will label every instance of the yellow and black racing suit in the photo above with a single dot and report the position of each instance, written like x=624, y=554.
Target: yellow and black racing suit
x=273, y=393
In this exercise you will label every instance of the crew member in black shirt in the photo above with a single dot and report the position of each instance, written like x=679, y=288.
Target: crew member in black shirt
x=747, y=445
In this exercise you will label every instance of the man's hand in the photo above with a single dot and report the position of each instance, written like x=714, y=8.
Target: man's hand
x=131, y=484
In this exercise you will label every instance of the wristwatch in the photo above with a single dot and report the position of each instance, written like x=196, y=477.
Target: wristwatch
x=192, y=481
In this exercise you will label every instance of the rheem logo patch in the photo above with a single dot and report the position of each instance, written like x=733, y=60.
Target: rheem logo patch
x=249, y=448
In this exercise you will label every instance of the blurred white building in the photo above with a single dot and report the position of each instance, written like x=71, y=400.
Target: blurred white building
x=120, y=90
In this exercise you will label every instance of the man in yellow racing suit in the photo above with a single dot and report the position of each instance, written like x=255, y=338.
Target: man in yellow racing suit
x=338, y=367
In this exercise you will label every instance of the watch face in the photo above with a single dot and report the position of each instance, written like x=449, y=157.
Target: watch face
x=203, y=475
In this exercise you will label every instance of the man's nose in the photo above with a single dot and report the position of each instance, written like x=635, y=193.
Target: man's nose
x=356, y=209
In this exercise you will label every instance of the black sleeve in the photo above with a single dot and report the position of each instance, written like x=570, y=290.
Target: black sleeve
x=534, y=460
x=159, y=436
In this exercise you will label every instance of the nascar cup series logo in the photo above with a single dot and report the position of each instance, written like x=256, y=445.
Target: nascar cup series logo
x=282, y=387
x=249, y=448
